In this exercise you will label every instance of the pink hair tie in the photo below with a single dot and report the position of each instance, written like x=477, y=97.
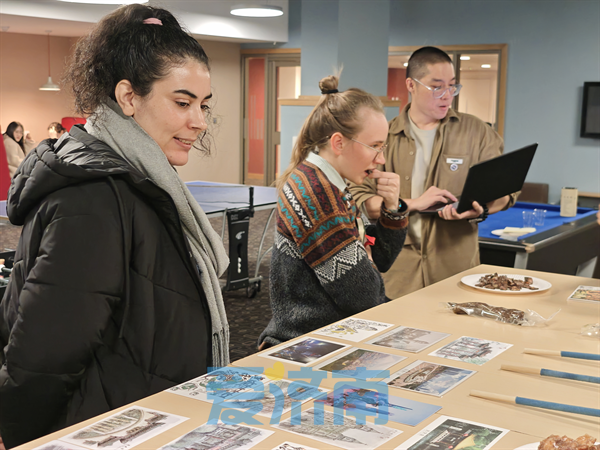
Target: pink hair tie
x=153, y=21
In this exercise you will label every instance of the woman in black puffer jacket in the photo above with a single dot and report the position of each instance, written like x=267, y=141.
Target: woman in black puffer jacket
x=114, y=294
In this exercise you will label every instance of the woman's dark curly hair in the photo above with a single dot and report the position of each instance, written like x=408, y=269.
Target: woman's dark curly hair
x=123, y=47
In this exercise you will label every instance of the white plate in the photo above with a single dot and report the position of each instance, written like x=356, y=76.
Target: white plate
x=472, y=280
x=532, y=446
x=514, y=232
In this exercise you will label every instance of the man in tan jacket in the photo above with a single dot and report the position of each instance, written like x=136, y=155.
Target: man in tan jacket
x=431, y=147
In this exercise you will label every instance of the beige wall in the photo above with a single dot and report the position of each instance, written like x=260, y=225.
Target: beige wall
x=224, y=164
x=24, y=68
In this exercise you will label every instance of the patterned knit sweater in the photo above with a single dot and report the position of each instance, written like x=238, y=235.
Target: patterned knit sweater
x=320, y=271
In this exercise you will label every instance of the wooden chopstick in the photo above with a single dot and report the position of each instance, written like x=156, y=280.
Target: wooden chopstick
x=534, y=351
x=551, y=373
x=536, y=403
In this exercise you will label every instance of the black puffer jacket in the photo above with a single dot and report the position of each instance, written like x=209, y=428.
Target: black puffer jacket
x=105, y=304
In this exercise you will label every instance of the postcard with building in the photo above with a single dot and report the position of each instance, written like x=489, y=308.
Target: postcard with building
x=408, y=339
x=471, y=350
x=354, y=330
x=356, y=360
x=220, y=436
x=124, y=429
x=451, y=433
x=222, y=384
x=428, y=378
x=344, y=432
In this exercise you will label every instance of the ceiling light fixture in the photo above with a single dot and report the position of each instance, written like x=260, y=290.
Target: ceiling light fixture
x=486, y=66
x=405, y=64
x=106, y=2
x=254, y=10
x=49, y=86
x=465, y=58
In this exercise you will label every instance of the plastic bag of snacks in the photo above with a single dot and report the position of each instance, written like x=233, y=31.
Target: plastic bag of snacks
x=527, y=318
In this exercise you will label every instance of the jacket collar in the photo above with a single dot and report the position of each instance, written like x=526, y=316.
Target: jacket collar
x=401, y=123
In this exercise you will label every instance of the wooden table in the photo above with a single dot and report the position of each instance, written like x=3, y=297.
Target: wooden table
x=422, y=310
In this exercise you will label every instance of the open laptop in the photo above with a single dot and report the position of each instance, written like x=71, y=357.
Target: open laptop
x=492, y=179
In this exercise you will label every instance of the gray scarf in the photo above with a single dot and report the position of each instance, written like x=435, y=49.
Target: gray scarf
x=130, y=141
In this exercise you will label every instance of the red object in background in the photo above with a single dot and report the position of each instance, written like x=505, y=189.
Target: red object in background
x=4, y=172
x=68, y=122
x=256, y=117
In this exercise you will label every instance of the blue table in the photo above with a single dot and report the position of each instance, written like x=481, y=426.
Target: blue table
x=567, y=245
x=236, y=203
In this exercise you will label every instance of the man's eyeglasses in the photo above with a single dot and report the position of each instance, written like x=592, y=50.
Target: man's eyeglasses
x=439, y=92
x=378, y=150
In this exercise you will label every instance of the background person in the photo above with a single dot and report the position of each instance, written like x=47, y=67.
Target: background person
x=320, y=269
x=55, y=130
x=431, y=146
x=17, y=144
x=114, y=293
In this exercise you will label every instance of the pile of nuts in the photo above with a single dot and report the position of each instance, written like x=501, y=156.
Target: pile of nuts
x=503, y=283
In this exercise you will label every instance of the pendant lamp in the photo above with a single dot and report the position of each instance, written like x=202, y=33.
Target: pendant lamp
x=256, y=10
x=49, y=86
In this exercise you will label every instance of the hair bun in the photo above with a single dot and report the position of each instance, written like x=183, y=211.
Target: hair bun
x=329, y=91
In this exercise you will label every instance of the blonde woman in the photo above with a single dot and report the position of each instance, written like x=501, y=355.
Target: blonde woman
x=321, y=270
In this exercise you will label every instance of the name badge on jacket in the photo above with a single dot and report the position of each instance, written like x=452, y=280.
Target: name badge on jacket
x=454, y=162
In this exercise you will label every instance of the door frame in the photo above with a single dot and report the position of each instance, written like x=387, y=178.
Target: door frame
x=274, y=58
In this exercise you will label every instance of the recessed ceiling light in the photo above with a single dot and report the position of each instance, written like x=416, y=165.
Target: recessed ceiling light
x=106, y=2
x=486, y=66
x=253, y=10
x=465, y=58
x=405, y=64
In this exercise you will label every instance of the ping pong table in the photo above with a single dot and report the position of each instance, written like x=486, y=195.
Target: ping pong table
x=236, y=203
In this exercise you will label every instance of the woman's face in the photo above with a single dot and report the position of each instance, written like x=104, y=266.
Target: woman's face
x=18, y=134
x=174, y=112
x=358, y=160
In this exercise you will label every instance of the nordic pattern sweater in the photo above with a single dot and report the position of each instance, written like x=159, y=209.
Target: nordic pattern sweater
x=320, y=271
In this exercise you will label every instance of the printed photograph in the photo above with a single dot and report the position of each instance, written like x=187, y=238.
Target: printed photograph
x=357, y=358
x=586, y=294
x=292, y=446
x=456, y=434
x=221, y=384
x=409, y=339
x=306, y=351
x=395, y=409
x=471, y=350
x=320, y=425
x=428, y=378
x=354, y=330
x=276, y=398
x=220, y=436
x=125, y=429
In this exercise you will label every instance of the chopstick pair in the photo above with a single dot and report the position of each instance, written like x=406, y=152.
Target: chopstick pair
x=535, y=351
x=536, y=403
x=550, y=373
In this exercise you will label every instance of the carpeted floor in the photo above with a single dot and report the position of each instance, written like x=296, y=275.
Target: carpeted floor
x=247, y=317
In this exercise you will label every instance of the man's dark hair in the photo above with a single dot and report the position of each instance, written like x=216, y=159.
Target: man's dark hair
x=418, y=61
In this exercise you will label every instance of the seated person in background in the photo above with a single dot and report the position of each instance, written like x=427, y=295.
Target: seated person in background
x=431, y=147
x=55, y=130
x=320, y=270
x=17, y=145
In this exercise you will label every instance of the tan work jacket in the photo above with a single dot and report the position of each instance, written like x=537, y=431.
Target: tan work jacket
x=447, y=247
